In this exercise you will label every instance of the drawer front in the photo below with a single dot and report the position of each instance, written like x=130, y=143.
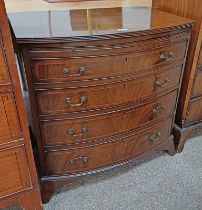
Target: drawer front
x=194, y=111
x=53, y=102
x=73, y=131
x=197, y=84
x=4, y=78
x=15, y=174
x=9, y=123
x=105, y=66
x=78, y=160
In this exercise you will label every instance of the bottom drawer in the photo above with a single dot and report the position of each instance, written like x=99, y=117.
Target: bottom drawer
x=194, y=111
x=125, y=147
x=15, y=175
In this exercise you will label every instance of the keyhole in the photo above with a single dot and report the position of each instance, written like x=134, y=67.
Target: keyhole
x=126, y=58
x=124, y=85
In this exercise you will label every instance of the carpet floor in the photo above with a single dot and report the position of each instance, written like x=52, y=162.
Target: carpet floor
x=155, y=182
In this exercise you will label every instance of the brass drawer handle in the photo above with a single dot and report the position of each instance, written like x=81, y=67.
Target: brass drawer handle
x=154, y=137
x=166, y=57
x=162, y=84
x=83, y=99
x=84, y=159
x=171, y=38
x=83, y=132
x=81, y=71
x=158, y=109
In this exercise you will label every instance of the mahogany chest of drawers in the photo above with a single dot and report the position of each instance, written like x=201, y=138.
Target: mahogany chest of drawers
x=103, y=88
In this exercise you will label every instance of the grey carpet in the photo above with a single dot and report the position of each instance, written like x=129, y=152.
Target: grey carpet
x=156, y=182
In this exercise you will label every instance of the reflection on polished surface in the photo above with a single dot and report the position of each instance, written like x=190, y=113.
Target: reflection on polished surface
x=85, y=22
x=41, y=5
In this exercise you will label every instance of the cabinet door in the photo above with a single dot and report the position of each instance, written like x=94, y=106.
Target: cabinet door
x=9, y=123
x=18, y=180
x=15, y=175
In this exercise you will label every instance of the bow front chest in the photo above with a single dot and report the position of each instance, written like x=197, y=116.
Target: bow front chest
x=103, y=86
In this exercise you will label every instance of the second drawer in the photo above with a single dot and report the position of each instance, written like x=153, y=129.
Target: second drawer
x=83, y=129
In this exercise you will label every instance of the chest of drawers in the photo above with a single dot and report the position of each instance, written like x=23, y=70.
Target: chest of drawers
x=101, y=97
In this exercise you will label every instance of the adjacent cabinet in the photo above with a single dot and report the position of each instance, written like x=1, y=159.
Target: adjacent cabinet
x=103, y=84
x=188, y=121
x=18, y=180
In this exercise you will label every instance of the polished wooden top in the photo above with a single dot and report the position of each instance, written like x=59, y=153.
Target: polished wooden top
x=91, y=22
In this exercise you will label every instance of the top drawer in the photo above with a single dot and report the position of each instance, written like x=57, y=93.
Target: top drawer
x=60, y=70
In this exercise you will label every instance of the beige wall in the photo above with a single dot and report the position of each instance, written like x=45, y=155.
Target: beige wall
x=41, y=5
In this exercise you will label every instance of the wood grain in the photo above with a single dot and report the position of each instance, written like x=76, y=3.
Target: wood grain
x=200, y=58
x=197, y=85
x=195, y=110
x=4, y=77
x=66, y=162
x=100, y=66
x=191, y=88
x=54, y=102
x=58, y=132
x=9, y=124
x=18, y=180
x=16, y=174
